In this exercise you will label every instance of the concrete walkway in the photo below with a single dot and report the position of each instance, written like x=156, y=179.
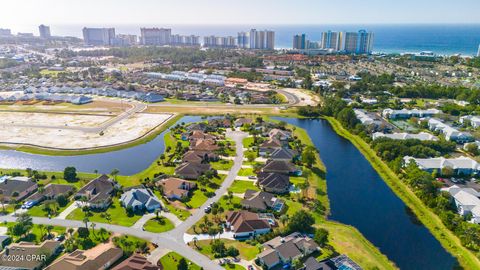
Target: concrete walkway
x=174, y=219
x=189, y=237
x=157, y=254
x=245, y=178
x=222, y=172
x=139, y=224
x=68, y=210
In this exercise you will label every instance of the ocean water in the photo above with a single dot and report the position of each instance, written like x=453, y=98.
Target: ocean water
x=442, y=39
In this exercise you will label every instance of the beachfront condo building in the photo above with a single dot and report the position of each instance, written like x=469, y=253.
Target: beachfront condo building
x=155, y=36
x=98, y=36
x=44, y=31
x=260, y=40
x=360, y=42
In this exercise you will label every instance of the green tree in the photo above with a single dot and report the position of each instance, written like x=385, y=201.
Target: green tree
x=182, y=264
x=70, y=174
x=301, y=221
x=321, y=237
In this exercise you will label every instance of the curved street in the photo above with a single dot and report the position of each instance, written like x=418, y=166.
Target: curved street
x=171, y=240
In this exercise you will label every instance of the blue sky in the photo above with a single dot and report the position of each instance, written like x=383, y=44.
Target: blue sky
x=103, y=12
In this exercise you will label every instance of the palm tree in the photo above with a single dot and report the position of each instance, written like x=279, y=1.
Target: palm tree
x=70, y=231
x=49, y=229
x=103, y=231
x=95, y=171
x=41, y=227
x=86, y=220
x=195, y=239
x=108, y=217
x=114, y=173
x=157, y=211
x=93, y=225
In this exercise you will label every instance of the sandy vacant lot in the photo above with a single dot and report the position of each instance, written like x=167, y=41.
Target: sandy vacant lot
x=306, y=98
x=47, y=119
x=42, y=134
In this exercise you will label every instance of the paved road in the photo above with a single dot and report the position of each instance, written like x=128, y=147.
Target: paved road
x=171, y=240
x=292, y=98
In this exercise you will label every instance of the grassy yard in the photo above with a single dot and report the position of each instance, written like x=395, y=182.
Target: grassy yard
x=39, y=210
x=117, y=213
x=171, y=259
x=448, y=240
x=232, y=266
x=247, y=251
x=248, y=142
x=156, y=226
x=222, y=164
x=35, y=233
x=240, y=186
x=246, y=172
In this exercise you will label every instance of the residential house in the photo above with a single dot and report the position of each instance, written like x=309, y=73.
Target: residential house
x=286, y=154
x=280, y=166
x=267, y=147
x=261, y=201
x=273, y=182
x=220, y=123
x=473, y=120
x=197, y=126
x=16, y=188
x=137, y=262
x=200, y=135
x=196, y=156
x=51, y=192
x=279, y=134
x=450, y=133
x=140, y=199
x=344, y=262
x=242, y=121
x=176, y=188
x=283, y=250
x=422, y=136
x=98, y=192
x=189, y=170
x=98, y=258
x=43, y=251
x=467, y=201
x=312, y=264
x=246, y=224
x=204, y=145
x=459, y=165
x=404, y=113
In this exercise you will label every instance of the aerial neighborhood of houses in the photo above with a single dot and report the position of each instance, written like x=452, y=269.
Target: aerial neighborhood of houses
x=249, y=208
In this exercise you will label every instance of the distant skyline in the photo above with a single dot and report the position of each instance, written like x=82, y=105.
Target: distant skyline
x=21, y=13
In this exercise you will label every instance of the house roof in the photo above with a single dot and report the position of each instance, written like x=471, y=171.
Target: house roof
x=259, y=200
x=312, y=264
x=9, y=186
x=51, y=191
x=176, y=186
x=92, y=259
x=139, y=197
x=244, y=221
x=269, y=257
x=271, y=143
x=279, y=166
x=192, y=169
x=98, y=189
x=198, y=156
x=283, y=153
x=441, y=162
x=273, y=180
x=136, y=262
x=204, y=145
x=23, y=249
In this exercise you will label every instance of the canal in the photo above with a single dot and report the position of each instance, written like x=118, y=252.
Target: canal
x=359, y=197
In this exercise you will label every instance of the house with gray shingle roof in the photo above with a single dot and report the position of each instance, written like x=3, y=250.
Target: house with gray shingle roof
x=140, y=199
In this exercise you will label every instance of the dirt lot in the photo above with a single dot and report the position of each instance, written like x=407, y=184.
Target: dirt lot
x=49, y=130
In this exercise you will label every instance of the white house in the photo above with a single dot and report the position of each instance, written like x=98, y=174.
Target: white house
x=450, y=133
x=459, y=165
x=423, y=136
x=140, y=199
x=363, y=117
x=467, y=201
x=472, y=119
x=404, y=113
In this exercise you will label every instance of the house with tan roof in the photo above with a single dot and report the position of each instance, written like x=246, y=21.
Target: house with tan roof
x=189, y=170
x=98, y=258
x=38, y=254
x=137, y=262
x=176, y=188
x=98, y=192
x=196, y=156
x=204, y=145
x=268, y=146
x=246, y=224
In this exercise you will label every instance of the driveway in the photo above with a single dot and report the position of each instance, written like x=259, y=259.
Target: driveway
x=68, y=210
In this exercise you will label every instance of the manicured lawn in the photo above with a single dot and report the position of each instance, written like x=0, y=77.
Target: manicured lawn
x=170, y=262
x=246, y=172
x=153, y=225
x=232, y=266
x=240, y=186
x=248, y=142
x=223, y=164
x=36, y=232
x=39, y=211
x=117, y=213
x=247, y=251
x=198, y=199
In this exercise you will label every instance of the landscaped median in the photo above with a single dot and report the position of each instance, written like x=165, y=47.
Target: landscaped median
x=448, y=240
